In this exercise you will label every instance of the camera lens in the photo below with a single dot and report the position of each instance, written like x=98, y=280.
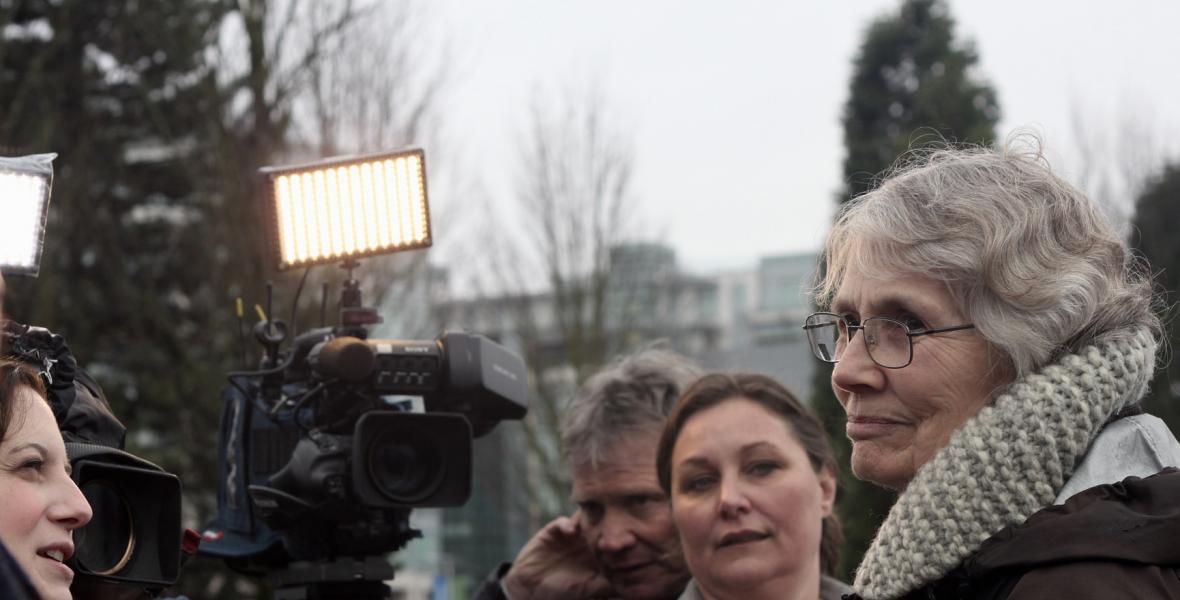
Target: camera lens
x=105, y=545
x=405, y=465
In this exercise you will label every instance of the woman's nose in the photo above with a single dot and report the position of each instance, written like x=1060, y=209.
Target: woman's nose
x=856, y=371
x=732, y=501
x=72, y=510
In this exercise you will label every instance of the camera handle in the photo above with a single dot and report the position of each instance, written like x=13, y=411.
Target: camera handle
x=337, y=579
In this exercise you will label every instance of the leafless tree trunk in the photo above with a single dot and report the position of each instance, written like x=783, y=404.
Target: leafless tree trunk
x=575, y=204
x=343, y=78
x=1112, y=160
x=378, y=88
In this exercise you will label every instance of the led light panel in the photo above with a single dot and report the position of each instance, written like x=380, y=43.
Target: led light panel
x=25, y=183
x=338, y=209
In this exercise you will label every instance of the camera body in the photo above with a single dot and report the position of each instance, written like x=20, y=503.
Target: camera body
x=324, y=455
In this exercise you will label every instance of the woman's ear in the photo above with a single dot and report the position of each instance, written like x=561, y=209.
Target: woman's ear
x=827, y=489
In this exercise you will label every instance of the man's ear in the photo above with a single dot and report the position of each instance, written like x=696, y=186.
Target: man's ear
x=827, y=488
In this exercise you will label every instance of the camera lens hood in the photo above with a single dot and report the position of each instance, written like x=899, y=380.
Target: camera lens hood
x=135, y=534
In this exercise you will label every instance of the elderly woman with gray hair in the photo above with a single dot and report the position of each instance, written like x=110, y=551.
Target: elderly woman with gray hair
x=1007, y=336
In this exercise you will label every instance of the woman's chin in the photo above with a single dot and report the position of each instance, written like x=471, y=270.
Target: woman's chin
x=745, y=573
x=883, y=469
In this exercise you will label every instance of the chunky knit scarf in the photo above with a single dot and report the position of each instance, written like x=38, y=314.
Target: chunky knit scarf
x=1003, y=464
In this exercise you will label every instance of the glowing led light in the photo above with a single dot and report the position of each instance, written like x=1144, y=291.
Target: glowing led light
x=418, y=201
x=367, y=206
x=323, y=217
x=295, y=204
x=340, y=209
x=353, y=203
x=383, y=217
x=403, y=204
x=381, y=197
x=373, y=200
x=25, y=184
x=310, y=231
x=285, y=216
x=333, y=202
x=18, y=249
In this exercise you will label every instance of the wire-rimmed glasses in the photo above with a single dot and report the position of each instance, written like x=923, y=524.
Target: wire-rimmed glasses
x=889, y=342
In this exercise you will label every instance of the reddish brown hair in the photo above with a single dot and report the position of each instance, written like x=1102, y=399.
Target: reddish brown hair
x=13, y=376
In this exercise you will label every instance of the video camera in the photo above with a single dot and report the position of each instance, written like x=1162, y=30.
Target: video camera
x=328, y=445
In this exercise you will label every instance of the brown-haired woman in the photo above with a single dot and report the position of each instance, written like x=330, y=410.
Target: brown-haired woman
x=42, y=506
x=752, y=481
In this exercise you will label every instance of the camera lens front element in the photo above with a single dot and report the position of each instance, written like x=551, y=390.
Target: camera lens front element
x=405, y=464
x=106, y=552
x=411, y=460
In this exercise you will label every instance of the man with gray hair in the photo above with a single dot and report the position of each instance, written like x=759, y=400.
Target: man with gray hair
x=621, y=541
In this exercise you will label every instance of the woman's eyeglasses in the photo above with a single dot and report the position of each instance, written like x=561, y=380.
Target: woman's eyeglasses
x=889, y=342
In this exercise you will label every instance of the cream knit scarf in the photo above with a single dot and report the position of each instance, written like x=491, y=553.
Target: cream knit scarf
x=1003, y=464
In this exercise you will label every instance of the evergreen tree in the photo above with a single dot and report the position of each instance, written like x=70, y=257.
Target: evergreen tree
x=1157, y=211
x=115, y=89
x=132, y=269
x=909, y=79
x=161, y=113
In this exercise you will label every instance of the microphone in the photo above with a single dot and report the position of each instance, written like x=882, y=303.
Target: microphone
x=345, y=358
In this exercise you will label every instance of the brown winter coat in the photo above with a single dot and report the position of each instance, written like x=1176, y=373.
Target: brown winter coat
x=1110, y=542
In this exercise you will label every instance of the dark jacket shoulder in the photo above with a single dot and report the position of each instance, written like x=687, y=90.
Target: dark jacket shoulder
x=1097, y=580
x=13, y=583
x=1110, y=541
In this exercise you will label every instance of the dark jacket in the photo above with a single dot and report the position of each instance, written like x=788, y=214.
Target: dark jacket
x=490, y=588
x=13, y=583
x=1109, y=542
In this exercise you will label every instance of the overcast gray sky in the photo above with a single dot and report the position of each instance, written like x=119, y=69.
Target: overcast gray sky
x=735, y=106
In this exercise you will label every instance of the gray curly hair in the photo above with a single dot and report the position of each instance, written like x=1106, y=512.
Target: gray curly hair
x=1027, y=257
x=633, y=395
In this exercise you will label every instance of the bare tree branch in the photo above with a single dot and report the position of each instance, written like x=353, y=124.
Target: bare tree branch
x=574, y=193
x=1114, y=159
